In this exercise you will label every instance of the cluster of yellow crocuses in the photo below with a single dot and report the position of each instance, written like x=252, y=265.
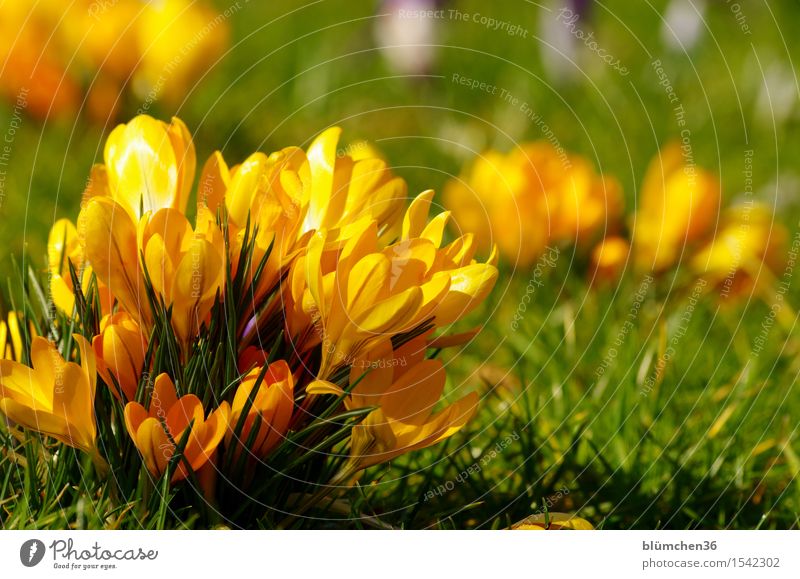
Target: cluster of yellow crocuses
x=534, y=196
x=537, y=195
x=342, y=289
x=52, y=47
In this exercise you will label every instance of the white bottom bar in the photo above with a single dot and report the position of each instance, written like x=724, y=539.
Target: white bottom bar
x=407, y=554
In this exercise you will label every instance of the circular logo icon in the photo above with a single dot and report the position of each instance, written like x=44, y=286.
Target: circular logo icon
x=31, y=553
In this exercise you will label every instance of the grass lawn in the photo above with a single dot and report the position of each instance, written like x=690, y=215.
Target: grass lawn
x=653, y=403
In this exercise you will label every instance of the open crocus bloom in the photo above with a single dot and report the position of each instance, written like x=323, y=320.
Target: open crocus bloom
x=406, y=420
x=355, y=293
x=55, y=397
x=157, y=430
x=405, y=388
x=344, y=189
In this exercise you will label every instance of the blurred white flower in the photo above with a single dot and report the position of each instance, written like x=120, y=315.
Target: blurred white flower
x=683, y=24
x=406, y=32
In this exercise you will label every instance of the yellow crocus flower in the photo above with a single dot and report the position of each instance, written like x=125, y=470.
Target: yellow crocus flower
x=54, y=397
x=744, y=256
x=405, y=387
x=265, y=190
x=678, y=207
x=531, y=197
x=609, y=259
x=342, y=190
x=64, y=247
x=290, y=194
x=354, y=293
x=272, y=406
x=150, y=165
x=156, y=431
x=120, y=349
x=110, y=244
x=186, y=267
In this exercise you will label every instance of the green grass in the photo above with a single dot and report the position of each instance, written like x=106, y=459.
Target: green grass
x=712, y=445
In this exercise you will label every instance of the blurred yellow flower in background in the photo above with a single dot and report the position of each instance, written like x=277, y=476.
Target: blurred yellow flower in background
x=57, y=53
x=609, y=259
x=678, y=207
x=531, y=197
x=746, y=253
x=177, y=41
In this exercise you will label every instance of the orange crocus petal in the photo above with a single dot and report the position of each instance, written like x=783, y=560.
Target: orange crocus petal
x=120, y=350
x=157, y=431
x=273, y=405
x=207, y=436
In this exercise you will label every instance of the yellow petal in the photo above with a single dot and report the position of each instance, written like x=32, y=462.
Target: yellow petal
x=417, y=215
x=214, y=182
x=319, y=387
x=322, y=161
x=411, y=399
x=186, y=159
x=248, y=178
x=40, y=421
x=469, y=286
x=396, y=313
x=142, y=167
x=163, y=397
x=110, y=244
